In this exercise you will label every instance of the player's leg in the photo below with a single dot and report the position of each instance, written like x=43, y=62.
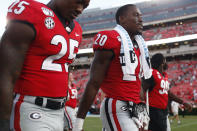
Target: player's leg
x=70, y=117
x=174, y=116
x=177, y=118
x=175, y=113
x=27, y=116
x=158, y=119
x=115, y=116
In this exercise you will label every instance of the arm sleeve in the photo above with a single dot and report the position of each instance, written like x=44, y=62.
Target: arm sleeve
x=26, y=12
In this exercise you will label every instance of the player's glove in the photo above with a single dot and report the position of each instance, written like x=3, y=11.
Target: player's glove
x=140, y=116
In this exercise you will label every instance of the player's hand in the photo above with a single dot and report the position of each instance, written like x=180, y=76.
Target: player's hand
x=137, y=122
x=188, y=106
x=142, y=129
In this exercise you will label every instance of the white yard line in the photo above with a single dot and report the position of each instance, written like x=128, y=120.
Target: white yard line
x=184, y=125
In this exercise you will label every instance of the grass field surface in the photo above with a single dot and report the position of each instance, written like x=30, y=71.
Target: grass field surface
x=189, y=123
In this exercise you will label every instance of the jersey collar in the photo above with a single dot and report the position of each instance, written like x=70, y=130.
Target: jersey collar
x=68, y=25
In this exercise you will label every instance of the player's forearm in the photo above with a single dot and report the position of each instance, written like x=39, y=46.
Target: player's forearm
x=173, y=97
x=9, y=72
x=87, y=100
x=142, y=94
x=8, y=76
x=4, y=125
x=148, y=83
x=6, y=96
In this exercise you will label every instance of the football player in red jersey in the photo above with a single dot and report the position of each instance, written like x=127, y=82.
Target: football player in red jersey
x=70, y=112
x=159, y=94
x=39, y=43
x=107, y=72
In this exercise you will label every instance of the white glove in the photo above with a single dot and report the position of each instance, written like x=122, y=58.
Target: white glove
x=141, y=119
x=137, y=122
x=146, y=121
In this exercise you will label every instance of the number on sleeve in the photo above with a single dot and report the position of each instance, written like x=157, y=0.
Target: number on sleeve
x=10, y=8
x=19, y=8
x=98, y=36
x=101, y=39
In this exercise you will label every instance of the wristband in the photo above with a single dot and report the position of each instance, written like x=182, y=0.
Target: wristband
x=79, y=123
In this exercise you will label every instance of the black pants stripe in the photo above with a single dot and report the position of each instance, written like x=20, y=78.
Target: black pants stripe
x=107, y=114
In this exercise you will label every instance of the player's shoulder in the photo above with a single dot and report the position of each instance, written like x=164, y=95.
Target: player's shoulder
x=76, y=23
x=22, y=6
x=78, y=26
x=154, y=71
x=165, y=74
x=28, y=10
x=107, y=39
x=156, y=74
x=112, y=34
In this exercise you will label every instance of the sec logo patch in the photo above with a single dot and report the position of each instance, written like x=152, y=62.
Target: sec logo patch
x=49, y=23
x=35, y=115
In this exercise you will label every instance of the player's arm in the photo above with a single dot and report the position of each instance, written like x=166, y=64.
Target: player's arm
x=99, y=67
x=13, y=46
x=142, y=94
x=173, y=97
x=148, y=83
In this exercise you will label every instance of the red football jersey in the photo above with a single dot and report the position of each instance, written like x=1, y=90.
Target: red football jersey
x=158, y=97
x=113, y=85
x=45, y=68
x=72, y=102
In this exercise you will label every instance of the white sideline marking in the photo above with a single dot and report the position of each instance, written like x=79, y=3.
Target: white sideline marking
x=183, y=125
x=93, y=115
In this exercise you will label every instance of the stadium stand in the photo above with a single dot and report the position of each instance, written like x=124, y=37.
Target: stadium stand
x=158, y=32
x=81, y=77
x=152, y=11
x=86, y=43
x=182, y=75
x=173, y=30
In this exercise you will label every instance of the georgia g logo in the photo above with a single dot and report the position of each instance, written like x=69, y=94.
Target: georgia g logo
x=35, y=115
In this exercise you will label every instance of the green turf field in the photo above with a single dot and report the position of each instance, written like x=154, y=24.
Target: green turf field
x=189, y=123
